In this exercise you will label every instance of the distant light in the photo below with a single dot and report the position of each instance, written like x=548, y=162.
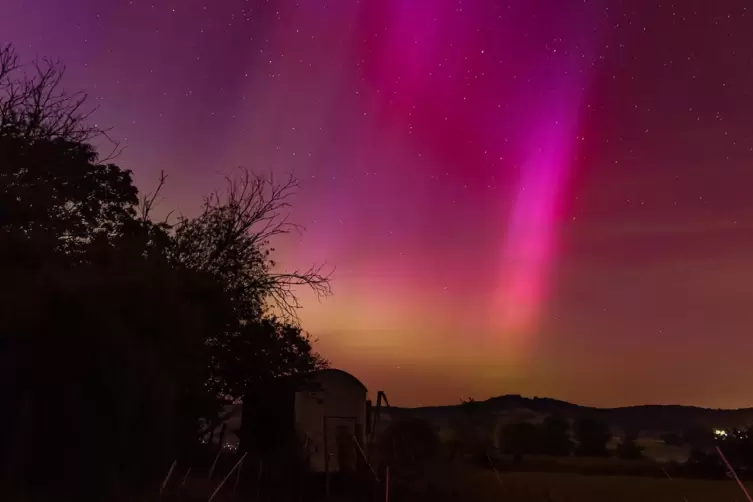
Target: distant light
x=720, y=433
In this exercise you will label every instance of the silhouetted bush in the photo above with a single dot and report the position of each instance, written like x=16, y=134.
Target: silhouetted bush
x=408, y=444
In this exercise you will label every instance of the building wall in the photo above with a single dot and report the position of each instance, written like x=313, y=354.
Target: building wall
x=340, y=403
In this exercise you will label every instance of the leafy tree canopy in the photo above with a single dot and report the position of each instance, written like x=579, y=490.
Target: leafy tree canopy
x=117, y=332
x=592, y=436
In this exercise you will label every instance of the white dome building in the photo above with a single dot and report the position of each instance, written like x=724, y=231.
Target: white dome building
x=325, y=415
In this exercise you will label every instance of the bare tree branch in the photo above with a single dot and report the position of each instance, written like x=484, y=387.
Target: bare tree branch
x=149, y=200
x=232, y=238
x=34, y=106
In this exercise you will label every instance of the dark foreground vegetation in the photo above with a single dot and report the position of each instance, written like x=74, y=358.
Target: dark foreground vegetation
x=121, y=335
x=546, y=462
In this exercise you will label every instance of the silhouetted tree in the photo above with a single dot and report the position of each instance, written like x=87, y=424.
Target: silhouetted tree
x=109, y=372
x=737, y=445
x=409, y=444
x=592, y=436
x=256, y=352
x=231, y=241
x=671, y=438
x=67, y=356
x=472, y=430
x=699, y=437
x=57, y=199
x=520, y=439
x=117, y=333
x=628, y=448
x=705, y=464
x=34, y=105
x=555, y=436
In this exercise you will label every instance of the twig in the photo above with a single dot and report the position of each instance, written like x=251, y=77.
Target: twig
x=148, y=201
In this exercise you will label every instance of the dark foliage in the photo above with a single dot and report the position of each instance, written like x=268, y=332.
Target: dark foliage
x=34, y=105
x=699, y=437
x=628, y=448
x=472, y=433
x=672, y=439
x=56, y=198
x=705, y=464
x=231, y=241
x=555, y=437
x=551, y=437
x=737, y=446
x=408, y=445
x=118, y=333
x=592, y=436
x=105, y=395
x=520, y=439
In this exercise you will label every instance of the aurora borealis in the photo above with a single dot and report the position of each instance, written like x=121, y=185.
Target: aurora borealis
x=544, y=197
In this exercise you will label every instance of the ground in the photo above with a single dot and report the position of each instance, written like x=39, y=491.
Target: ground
x=485, y=486
x=534, y=487
x=571, y=479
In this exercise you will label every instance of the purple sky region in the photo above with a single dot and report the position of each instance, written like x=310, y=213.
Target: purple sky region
x=516, y=195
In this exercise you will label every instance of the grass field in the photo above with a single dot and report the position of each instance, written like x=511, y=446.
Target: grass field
x=463, y=482
x=534, y=487
x=485, y=486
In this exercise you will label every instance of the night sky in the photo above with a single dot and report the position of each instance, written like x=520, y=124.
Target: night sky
x=543, y=197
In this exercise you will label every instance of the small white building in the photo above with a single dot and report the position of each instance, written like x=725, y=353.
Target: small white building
x=324, y=415
x=332, y=417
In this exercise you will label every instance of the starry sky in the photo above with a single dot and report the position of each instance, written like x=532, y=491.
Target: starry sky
x=543, y=197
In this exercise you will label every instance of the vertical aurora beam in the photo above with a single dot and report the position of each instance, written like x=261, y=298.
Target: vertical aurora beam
x=543, y=74
x=530, y=245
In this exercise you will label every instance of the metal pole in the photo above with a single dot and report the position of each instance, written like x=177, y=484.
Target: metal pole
x=365, y=458
x=226, y=477
x=167, y=478
x=238, y=477
x=387, y=485
x=186, y=477
x=214, y=464
x=326, y=461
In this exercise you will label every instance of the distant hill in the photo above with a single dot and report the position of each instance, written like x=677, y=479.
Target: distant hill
x=648, y=418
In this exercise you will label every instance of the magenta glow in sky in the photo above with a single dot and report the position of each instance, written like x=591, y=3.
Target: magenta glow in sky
x=414, y=43
x=516, y=195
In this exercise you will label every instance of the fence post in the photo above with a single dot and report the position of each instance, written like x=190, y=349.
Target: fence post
x=186, y=477
x=238, y=477
x=226, y=477
x=387, y=485
x=167, y=478
x=214, y=464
